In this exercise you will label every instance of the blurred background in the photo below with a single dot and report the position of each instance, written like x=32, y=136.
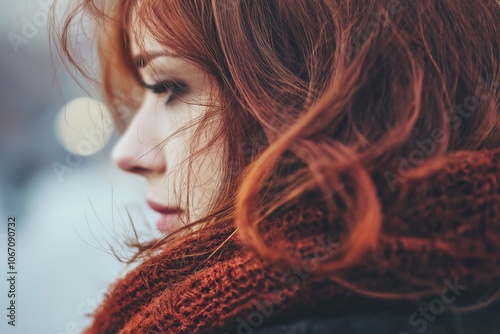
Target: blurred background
x=56, y=178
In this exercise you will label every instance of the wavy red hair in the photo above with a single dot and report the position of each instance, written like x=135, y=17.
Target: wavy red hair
x=317, y=96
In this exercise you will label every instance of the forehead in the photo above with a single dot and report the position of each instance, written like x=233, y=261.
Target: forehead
x=141, y=39
x=145, y=49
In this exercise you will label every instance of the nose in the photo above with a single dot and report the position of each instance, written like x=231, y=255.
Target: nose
x=137, y=151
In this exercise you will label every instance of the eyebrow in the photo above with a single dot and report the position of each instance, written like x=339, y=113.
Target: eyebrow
x=143, y=60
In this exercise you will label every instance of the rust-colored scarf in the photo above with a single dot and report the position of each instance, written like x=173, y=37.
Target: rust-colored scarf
x=447, y=233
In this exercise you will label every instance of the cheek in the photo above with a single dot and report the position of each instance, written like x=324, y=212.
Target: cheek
x=206, y=175
x=202, y=172
x=205, y=190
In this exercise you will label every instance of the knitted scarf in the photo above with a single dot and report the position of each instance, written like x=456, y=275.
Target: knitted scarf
x=445, y=234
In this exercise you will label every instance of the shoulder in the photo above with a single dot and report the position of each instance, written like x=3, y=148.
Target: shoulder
x=403, y=319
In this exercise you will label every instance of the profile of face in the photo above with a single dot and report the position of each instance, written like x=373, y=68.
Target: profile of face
x=176, y=93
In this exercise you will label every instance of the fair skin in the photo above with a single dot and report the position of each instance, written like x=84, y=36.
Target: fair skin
x=142, y=149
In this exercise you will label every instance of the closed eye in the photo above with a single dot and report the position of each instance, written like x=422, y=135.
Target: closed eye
x=161, y=88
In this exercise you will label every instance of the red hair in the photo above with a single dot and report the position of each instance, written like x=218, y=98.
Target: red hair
x=318, y=97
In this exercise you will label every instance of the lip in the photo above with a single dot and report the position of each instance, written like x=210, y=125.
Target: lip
x=164, y=209
x=169, y=216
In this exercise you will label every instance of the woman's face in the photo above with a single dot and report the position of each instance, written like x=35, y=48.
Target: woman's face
x=142, y=149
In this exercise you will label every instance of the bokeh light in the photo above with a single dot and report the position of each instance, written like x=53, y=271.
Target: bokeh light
x=84, y=126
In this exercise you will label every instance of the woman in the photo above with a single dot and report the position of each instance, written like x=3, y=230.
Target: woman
x=320, y=166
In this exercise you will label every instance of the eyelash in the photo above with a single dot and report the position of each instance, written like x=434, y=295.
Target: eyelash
x=177, y=89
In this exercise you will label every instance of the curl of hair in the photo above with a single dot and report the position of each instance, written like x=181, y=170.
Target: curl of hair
x=320, y=96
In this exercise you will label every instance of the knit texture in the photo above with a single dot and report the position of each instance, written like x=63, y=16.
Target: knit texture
x=447, y=231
